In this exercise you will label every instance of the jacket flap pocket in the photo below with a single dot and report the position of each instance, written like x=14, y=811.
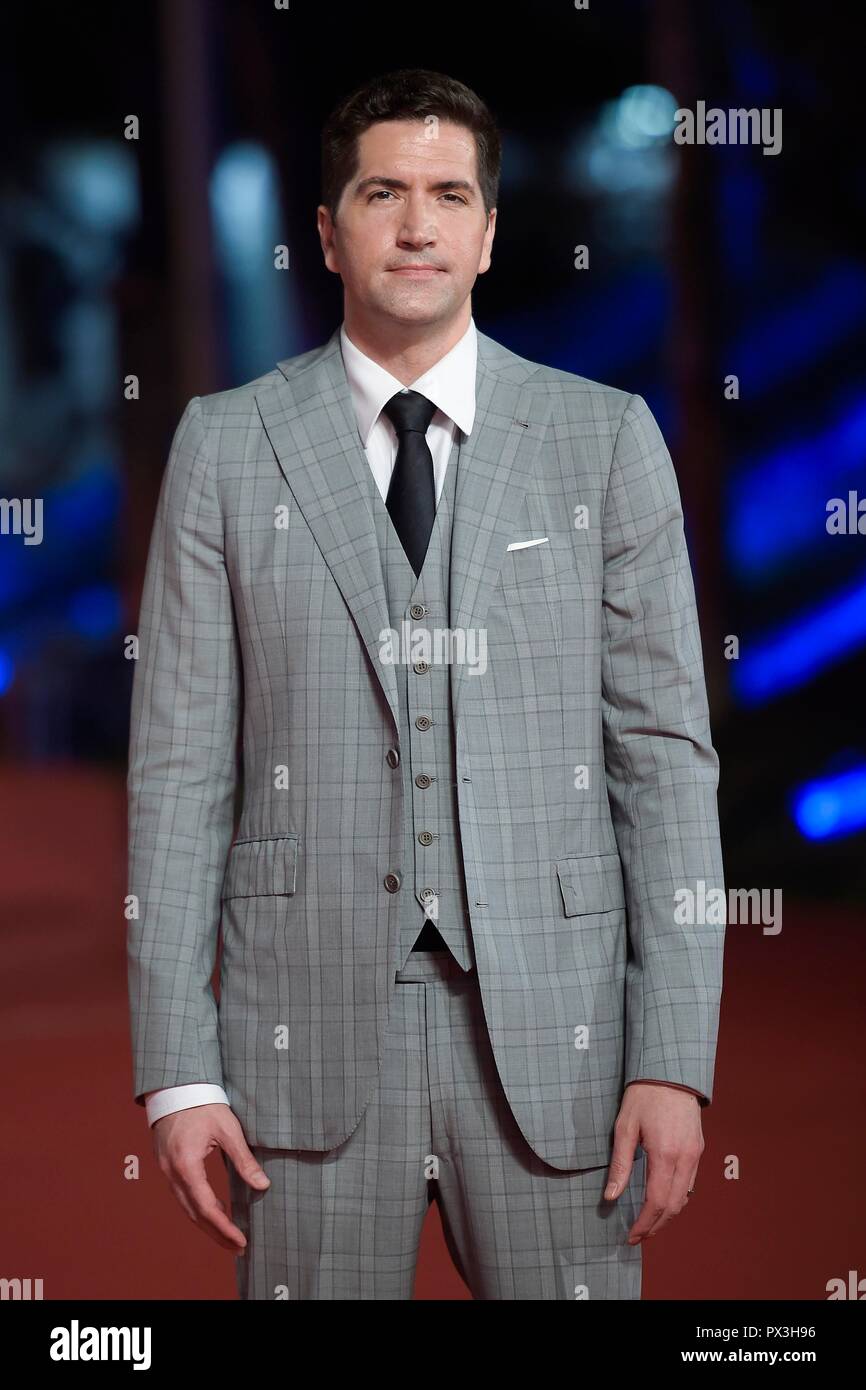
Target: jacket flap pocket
x=261, y=867
x=591, y=883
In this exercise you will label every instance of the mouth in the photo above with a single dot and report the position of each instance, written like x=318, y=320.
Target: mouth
x=421, y=271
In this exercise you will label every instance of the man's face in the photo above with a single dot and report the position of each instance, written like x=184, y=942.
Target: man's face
x=413, y=203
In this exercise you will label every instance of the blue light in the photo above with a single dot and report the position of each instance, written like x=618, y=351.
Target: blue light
x=797, y=652
x=83, y=510
x=245, y=203
x=742, y=195
x=262, y=306
x=791, y=338
x=7, y=671
x=629, y=148
x=96, y=184
x=95, y=611
x=832, y=806
x=598, y=331
x=778, y=506
x=642, y=117
x=756, y=76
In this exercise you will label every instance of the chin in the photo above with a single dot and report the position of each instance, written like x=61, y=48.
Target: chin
x=413, y=313
x=418, y=306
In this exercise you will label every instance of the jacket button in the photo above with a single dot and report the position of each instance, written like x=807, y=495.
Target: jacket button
x=417, y=610
x=392, y=882
x=421, y=667
x=425, y=838
x=422, y=780
x=392, y=757
x=423, y=722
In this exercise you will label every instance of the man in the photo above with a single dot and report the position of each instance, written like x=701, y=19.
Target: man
x=420, y=611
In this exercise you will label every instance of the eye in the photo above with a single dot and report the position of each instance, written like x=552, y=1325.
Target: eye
x=387, y=193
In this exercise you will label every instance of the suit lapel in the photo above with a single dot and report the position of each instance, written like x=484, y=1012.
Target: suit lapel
x=496, y=464
x=311, y=424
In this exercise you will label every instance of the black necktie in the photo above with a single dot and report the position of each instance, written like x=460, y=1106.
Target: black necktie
x=411, y=504
x=411, y=499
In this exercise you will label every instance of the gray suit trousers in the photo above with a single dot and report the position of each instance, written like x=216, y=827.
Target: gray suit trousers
x=346, y=1223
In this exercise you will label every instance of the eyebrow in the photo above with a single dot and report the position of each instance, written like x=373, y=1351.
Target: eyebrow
x=398, y=183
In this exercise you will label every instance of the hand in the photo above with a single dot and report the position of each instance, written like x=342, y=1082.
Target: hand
x=182, y=1142
x=667, y=1123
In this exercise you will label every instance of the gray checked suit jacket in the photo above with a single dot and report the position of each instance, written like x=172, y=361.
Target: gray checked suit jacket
x=262, y=808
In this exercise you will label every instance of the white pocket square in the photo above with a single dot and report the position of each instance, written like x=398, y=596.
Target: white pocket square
x=521, y=545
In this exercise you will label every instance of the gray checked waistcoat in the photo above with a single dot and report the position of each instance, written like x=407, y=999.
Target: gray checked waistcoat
x=432, y=882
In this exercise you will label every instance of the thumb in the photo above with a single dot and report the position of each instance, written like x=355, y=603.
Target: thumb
x=621, y=1163
x=245, y=1162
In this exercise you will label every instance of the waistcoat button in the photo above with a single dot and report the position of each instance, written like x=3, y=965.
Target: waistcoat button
x=425, y=838
x=422, y=780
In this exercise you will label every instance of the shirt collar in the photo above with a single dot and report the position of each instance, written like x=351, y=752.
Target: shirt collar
x=449, y=383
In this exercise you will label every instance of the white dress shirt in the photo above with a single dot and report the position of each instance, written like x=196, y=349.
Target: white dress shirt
x=450, y=385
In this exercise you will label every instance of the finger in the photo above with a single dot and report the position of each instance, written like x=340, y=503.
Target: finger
x=621, y=1163
x=202, y=1198
x=689, y=1190
x=660, y=1176
x=244, y=1160
x=694, y=1178
x=182, y=1198
x=682, y=1185
x=678, y=1197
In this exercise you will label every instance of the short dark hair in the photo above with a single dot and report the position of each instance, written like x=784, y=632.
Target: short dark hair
x=409, y=94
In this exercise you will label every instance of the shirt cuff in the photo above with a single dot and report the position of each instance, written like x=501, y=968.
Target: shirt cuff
x=172, y=1098
x=653, y=1081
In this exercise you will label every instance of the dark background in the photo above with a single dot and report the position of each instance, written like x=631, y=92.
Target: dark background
x=154, y=257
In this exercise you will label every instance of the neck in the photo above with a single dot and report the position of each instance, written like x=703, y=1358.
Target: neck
x=406, y=350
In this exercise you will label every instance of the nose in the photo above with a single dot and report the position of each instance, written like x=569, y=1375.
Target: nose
x=418, y=228
x=415, y=236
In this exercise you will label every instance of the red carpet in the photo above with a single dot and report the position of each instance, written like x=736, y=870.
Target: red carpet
x=788, y=1113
